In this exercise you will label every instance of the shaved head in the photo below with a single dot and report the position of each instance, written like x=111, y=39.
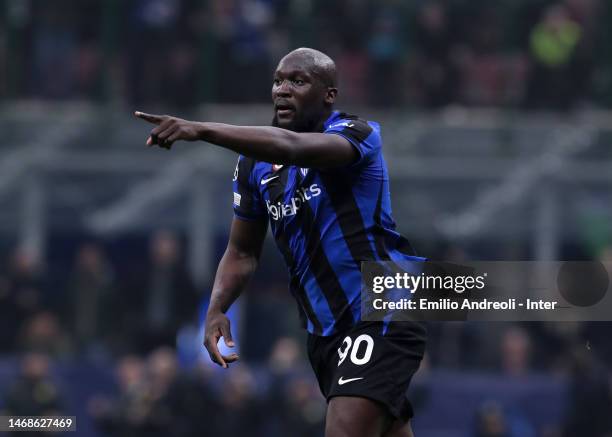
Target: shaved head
x=317, y=63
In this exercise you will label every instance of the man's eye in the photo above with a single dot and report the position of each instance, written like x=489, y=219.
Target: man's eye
x=298, y=82
x=277, y=82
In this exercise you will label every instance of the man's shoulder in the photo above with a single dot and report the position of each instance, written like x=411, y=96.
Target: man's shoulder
x=344, y=120
x=359, y=131
x=343, y=117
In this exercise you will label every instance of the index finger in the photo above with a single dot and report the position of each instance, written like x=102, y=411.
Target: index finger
x=151, y=118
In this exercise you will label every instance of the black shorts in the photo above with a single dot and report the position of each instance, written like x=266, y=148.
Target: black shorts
x=363, y=362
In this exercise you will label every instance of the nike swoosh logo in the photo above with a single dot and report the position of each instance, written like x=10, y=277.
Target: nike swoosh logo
x=265, y=181
x=345, y=381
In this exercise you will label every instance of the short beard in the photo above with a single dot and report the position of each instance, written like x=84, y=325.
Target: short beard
x=303, y=123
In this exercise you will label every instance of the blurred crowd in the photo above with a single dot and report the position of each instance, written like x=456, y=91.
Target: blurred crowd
x=97, y=306
x=154, y=398
x=540, y=54
x=150, y=395
x=130, y=316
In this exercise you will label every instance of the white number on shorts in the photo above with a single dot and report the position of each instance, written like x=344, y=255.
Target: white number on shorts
x=355, y=350
x=343, y=354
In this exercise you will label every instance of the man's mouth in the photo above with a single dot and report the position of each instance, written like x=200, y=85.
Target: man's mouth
x=284, y=109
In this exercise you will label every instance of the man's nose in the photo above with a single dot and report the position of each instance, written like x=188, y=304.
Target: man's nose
x=284, y=89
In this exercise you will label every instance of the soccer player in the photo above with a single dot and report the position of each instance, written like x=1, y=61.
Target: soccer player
x=318, y=177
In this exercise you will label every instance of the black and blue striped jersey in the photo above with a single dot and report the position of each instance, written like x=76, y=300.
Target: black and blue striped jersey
x=326, y=222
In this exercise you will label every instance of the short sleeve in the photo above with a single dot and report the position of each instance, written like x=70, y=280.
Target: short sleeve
x=247, y=201
x=363, y=135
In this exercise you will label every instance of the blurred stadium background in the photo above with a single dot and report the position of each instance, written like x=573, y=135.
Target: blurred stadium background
x=497, y=133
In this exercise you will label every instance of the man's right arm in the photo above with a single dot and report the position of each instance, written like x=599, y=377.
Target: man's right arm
x=235, y=268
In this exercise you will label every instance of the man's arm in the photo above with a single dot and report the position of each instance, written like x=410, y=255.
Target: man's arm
x=263, y=143
x=235, y=268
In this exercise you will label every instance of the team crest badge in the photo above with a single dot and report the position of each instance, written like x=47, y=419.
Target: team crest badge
x=304, y=171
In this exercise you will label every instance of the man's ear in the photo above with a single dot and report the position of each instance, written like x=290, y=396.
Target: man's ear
x=330, y=96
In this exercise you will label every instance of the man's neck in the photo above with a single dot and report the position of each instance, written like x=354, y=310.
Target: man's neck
x=321, y=124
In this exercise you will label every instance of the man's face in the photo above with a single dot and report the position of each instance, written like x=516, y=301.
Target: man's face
x=300, y=98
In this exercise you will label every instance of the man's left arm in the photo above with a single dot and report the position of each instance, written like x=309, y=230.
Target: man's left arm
x=263, y=143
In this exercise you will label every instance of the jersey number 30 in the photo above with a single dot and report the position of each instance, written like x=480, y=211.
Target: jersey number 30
x=356, y=349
